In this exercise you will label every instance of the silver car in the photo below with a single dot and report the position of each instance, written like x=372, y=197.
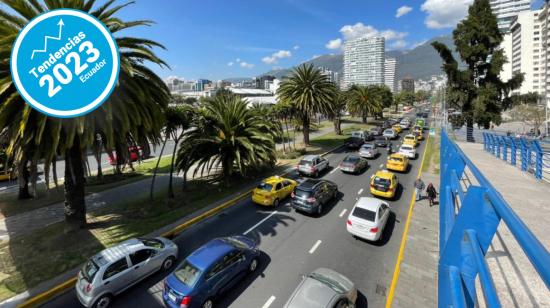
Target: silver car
x=115, y=269
x=368, y=150
x=323, y=288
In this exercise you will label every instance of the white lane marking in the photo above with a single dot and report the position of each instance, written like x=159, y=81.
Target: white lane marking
x=334, y=170
x=381, y=165
x=312, y=250
x=269, y=302
x=343, y=212
x=360, y=191
x=261, y=221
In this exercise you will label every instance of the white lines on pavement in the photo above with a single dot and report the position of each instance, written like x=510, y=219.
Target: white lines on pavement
x=343, y=212
x=269, y=302
x=261, y=221
x=334, y=170
x=312, y=250
x=381, y=166
x=360, y=191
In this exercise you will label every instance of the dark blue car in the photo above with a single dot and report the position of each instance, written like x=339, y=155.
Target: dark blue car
x=210, y=271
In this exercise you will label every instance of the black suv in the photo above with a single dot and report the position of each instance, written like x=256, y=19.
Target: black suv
x=381, y=141
x=312, y=194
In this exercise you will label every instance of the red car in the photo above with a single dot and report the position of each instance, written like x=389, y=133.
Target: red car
x=135, y=154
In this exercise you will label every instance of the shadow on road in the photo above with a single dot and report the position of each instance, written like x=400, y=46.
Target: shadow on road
x=361, y=301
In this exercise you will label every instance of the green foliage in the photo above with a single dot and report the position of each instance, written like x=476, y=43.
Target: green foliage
x=367, y=100
x=421, y=95
x=406, y=98
x=227, y=135
x=477, y=90
x=529, y=98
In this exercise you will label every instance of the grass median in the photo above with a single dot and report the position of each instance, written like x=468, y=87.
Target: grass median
x=431, y=163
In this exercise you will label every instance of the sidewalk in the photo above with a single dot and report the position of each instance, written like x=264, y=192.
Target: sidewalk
x=30, y=221
x=417, y=284
x=517, y=282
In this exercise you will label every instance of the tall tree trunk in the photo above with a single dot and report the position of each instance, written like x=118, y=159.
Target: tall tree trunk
x=54, y=172
x=337, y=126
x=34, y=176
x=23, y=179
x=97, y=148
x=305, y=123
x=156, y=168
x=288, y=133
x=170, y=188
x=75, y=206
x=120, y=157
x=364, y=115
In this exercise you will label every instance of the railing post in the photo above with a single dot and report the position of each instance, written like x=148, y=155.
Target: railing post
x=538, y=159
x=505, y=149
x=523, y=154
x=498, y=146
x=513, y=150
x=485, y=142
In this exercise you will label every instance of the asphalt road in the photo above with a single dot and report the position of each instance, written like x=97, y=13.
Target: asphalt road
x=287, y=240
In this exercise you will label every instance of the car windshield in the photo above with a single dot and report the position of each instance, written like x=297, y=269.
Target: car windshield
x=396, y=159
x=302, y=193
x=409, y=138
x=265, y=186
x=368, y=146
x=406, y=148
x=187, y=273
x=388, y=131
x=152, y=242
x=351, y=159
x=89, y=270
x=381, y=181
x=305, y=163
x=331, y=283
x=364, y=214
x=381, y=138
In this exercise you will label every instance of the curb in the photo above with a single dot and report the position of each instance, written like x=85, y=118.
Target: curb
x=69, y=284
x=397, y=268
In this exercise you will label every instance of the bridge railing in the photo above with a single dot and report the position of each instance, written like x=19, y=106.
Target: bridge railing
x=470, y=213
x=529, y=155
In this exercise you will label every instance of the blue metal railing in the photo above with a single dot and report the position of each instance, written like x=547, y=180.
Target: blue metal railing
x=469, y=219
x=532, y=155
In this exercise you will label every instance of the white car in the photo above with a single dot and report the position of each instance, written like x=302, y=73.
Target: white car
x=368, y=218
x=368, y=150
x=390, y=133
x=408, y=150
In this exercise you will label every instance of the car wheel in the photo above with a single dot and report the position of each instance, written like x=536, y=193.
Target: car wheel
x=253, y=265
x=276, y=203
x=208, y=304
x=168, y=263
x=103, y=302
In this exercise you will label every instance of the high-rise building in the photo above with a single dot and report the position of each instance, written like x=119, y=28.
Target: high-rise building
x=364, y=61
x=407, y=84
x=390, y=78
x=506, y=10
x=201, y=83
x=262, y=82
x=332, y=76
x=544, y=60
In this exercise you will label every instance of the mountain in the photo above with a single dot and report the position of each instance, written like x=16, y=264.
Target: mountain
x=420, y=63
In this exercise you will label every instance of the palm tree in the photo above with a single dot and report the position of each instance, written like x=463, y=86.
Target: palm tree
x=309, y=91
x=134, y=108
x=362, y=101
x=227, y=135
x=337, y=106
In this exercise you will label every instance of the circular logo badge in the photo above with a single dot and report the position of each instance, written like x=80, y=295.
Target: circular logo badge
x=65, y=63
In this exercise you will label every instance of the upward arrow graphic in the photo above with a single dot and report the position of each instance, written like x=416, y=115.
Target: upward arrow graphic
x=47, y=37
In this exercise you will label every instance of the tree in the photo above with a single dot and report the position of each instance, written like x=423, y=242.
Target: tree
x=477, y=90
x=309, y=91
x=527, y=110
x=421, y=96
x=227, y=135
x=134, y=106
x=337, y=106
x=285, y=111
x=363, y=101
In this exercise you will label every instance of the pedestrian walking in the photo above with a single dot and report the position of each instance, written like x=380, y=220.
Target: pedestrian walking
x=432, y=194
x=418, y=186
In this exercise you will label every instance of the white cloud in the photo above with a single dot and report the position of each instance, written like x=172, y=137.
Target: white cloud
x=402, y=11
x=445, y=13
x=296, y=47
x=237, y=60
x=334, y=44
x=315, y=56
x=359, y=30
x=246, y=65
x=399, y=44
x=274, y=58
x=230, y=64
x=418, y=44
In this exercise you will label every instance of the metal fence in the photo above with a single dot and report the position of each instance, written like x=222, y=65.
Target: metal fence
x=529, y=155
x=470, y=212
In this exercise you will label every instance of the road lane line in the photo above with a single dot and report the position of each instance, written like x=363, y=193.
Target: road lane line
x=261, y=221
x=397, y=269
x=312, y=250
x=343, y=212
x=334, y=170
x=269, y=302
x=360, y=191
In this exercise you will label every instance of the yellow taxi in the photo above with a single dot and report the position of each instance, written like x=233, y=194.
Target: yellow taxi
x=410, y=139
x=383, y=184
x=417, y=131
x=397, y=128
x=397, y=162
x=7, y=175
x=272, y=190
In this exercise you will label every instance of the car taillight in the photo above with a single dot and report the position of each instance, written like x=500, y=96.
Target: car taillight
x=89, y=288
x=314, y=168
x=374, y=230
x=349, y=222
x=185, y=301
x=311, y=199
x=292, y=195
x=372, y=186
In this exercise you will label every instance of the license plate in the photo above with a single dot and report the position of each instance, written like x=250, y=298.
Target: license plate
x=172, y=297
